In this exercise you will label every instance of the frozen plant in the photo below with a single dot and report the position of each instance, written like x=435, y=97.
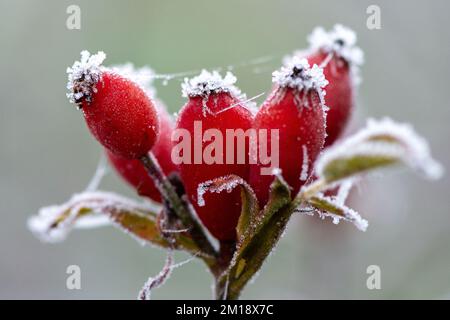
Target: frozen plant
x=246, y=212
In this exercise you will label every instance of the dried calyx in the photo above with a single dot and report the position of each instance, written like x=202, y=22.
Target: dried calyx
x=83, y=77
x=207, y=83
x=297, y=74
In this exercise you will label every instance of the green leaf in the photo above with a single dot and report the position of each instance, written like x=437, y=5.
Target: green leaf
x=345, y=167
x=328, y=207
x=143, y=227
x=279, y=196
x=258, y=241
x=381, y=144
x=250, y=206
x=250, y=209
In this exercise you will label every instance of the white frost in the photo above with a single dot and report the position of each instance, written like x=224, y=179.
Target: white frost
x=349, y=214
x=296, y=73
x=40, y=224
x=207, y=83
x=100, y=172
x=276, y=172
x=43, y=226
x=305, y=167
x=158, y=280
x=201, y=190
x=343, y=191
x=340, y=40
x=162, y=276
x=213, y=186
x=402, y=143
x=84, y=75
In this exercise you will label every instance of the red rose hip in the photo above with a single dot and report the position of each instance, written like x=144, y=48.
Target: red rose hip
x=134, y=172
x=214, y=106
x=118, y=112
x=337, y=53
x=296, y=109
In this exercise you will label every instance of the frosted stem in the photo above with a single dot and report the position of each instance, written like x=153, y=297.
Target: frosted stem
x=100, y=172
x=227, y=249
x=179, y=206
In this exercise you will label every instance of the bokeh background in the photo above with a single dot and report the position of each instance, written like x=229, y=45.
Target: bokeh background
x=47, y=153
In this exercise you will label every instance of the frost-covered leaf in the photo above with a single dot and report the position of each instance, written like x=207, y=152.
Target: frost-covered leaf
x=90, y=209
x=250, y=206
x=381, y=144
x=344, y=190
x=259, y=240
x=279, y=196
x=329, y=207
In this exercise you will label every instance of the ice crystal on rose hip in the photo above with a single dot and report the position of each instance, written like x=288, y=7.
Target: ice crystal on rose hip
x=209, y=99
x=295, y=108
x=118, y=112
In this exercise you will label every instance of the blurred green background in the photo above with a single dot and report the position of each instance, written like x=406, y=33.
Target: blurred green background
x=47, y=153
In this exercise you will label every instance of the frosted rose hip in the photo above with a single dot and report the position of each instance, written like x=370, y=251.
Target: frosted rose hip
x=341, y=58
x=134, y=172
x=215, y=103
x=118, y=112
x=295, y=108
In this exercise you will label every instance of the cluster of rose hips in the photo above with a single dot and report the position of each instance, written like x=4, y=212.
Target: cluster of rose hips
x=310, y=104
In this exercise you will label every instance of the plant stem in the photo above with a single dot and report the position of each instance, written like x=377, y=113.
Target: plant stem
x=230, y=286
x=227, y=249
x=229, y=279
x=180, y=206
